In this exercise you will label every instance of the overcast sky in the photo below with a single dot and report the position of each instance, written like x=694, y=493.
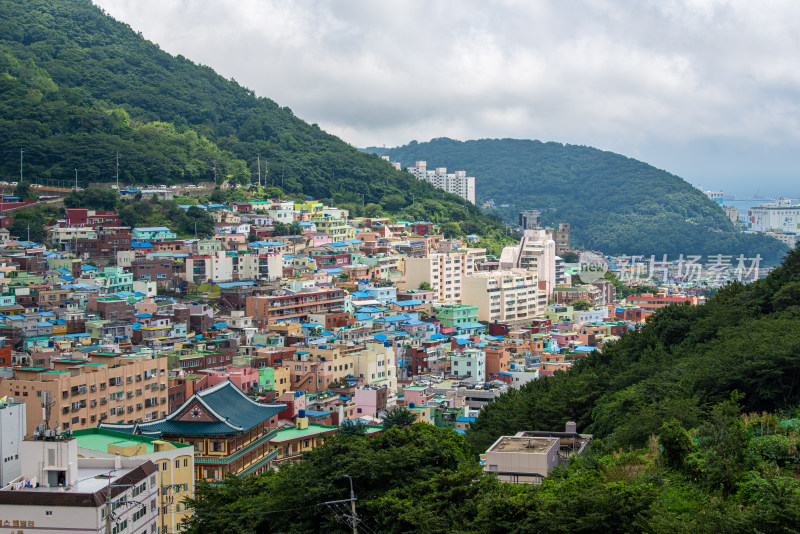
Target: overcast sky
x=706, y=89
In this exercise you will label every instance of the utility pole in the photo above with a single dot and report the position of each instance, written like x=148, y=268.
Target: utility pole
x=354, y=518
x=29, y=232
x=215, y=172
x=259, y=170
x=283, y=174
x=76, y=179
x=116, y=175
x=20, y=163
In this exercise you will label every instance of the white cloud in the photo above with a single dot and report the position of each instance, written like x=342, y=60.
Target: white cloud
x=647, y=79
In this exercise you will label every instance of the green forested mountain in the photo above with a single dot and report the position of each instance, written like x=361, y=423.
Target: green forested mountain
x=615, y=204
x=77, y=88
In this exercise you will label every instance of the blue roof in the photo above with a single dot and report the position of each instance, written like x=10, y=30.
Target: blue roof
x=458, y=430
x=504, y=373
x=141, y=244
x=63, y=271
x=220, y=325
x=152, y=229
x=463, y=419
x=408, y=302
x=354, y=241
x=67, y=278
x=363, y=317
x=143, y=315
x=227, y=285
x=88, y=268
x=394, y=318
x=334, y=270
x=585, y=349
x=467, y=326
x=436, y=337
x=361, y=295
x=381, y=337
x=258, y=244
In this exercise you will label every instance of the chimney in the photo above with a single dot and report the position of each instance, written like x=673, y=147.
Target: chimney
x=571, y=427
x=117, y=461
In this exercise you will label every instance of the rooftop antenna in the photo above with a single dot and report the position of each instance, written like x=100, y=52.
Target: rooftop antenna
x=47, y=403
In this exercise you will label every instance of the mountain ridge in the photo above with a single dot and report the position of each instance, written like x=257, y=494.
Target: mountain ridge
x=614, y=203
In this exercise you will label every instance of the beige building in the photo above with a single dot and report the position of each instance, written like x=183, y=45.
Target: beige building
x=376, y=365
x=109, y=387
x=510, y=295
x=443, y=272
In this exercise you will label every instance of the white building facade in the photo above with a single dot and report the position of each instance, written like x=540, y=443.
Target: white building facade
x=457, y=182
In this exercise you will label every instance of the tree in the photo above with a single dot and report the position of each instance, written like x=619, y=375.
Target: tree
x=398, y=417
x=581, y=305
x=352, y=428
x=23, y=190
x=676, y=445
x=93, y=197
x=29, y=223
x=570, y=257
x=424, y=286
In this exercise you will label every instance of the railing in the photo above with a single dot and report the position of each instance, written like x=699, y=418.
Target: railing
x=235, y=456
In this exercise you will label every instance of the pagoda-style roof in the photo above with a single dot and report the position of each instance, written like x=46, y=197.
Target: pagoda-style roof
x=223, y=409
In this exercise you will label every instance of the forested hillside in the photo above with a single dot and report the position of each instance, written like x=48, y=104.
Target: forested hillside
x=684, y=360
x=615, y=204
x=77, y=88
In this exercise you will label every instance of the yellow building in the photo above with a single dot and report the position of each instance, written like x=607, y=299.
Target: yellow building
x=311, y=206
x=174, y=462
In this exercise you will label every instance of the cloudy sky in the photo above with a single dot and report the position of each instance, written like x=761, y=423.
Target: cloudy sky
x=706, y=89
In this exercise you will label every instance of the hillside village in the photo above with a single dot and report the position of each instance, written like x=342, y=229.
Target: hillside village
x=233, y=353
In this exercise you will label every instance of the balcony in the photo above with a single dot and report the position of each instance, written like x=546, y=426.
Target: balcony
x=218, y=460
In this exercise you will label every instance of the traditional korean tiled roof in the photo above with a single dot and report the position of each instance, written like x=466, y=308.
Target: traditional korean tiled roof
x=231, y=411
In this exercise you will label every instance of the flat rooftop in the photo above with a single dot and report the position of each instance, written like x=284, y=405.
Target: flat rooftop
x=523, y=445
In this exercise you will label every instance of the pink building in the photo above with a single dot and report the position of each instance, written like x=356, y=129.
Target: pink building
x=318, y=239
x=245, y=378
x=370, y=401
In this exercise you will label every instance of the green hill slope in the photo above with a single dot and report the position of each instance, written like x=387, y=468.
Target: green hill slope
x=77, y=87
x=684, y=360
x=615, y=204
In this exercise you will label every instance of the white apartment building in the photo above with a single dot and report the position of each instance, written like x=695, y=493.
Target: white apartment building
x=457, y=183
x=469, y=363
x=377, y=365
x=502, y=295
x=224, y=267
x=58, y=492
x=443, y=272
x=782, y=216
x=535, y=252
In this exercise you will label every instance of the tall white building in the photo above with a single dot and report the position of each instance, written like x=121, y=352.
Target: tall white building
x=510, y=295
x=457, y=182
x=536, y=252
x=782, y=216
x=12, y=431
x=443, y=272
